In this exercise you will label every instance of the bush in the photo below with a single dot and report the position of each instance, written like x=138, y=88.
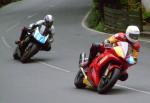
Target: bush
x=100, y=27
x=93, y=18
x=146, y=15
x=5, y=2
x=14, y=0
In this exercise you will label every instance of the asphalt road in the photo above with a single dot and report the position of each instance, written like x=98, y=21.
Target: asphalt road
x=48, y=78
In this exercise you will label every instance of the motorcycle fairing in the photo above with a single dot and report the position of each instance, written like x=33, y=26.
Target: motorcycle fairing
x=122, y=49
x=115, y=56
x=98, y=64
x=39, y=37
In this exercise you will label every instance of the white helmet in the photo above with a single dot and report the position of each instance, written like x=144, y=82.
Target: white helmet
x=48, y=20
x=132, y=33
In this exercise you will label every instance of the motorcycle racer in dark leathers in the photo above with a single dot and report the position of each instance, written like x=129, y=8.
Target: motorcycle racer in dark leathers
x=50, y=30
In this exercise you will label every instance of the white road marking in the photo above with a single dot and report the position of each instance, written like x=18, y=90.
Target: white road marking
x=5, y=42
x=141, y=91
x=30, y=16
x=12, y=27
x=64, y=70
x=92, y=30
x=53, y=52
x=55, y=67
x=67, y=71
x=43, y=63
x=102, y=33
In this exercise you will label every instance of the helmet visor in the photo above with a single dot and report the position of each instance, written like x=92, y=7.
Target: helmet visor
x=48, y=24
x=134, y=36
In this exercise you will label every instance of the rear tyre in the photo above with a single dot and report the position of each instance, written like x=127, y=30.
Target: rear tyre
x=107, y=83
x=31, y=50
x=78, y=81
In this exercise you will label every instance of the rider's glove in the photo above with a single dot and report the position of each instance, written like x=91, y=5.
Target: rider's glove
x=106, y=41
x=130, y=60
x=107, y=44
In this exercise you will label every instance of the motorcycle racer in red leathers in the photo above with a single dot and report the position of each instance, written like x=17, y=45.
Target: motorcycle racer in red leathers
x=131, y=36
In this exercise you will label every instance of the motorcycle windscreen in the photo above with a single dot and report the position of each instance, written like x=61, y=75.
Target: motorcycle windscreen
x=122, y=49
x=39, y=37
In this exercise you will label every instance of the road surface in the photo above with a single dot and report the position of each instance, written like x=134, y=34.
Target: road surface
x=49, y=77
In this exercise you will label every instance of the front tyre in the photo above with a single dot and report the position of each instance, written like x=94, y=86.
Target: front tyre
x=31, y=50
x=78, y=81
x=16, y=55
x=107, y=83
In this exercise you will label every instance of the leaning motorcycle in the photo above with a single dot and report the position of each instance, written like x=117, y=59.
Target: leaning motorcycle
x=107, y=67
x=32, y=44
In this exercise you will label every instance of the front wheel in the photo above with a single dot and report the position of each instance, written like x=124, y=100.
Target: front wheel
x=78, y=81
x=107, y=83
x=31, y=50
x=16, y=54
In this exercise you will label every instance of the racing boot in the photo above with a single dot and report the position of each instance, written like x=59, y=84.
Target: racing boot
x=17, y=42
x=93, y=52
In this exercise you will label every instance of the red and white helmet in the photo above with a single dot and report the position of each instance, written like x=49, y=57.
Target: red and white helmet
x=132, y=33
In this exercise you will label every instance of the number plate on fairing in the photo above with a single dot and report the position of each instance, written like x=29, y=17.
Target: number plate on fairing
x=39, y=37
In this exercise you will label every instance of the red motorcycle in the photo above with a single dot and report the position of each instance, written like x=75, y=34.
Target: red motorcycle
x=105, y=69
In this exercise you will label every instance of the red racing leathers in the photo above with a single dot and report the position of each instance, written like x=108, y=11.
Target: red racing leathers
x=99, y=48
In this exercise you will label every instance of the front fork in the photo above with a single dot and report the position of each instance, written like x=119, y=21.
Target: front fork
x=107, y=72
x=82, y=60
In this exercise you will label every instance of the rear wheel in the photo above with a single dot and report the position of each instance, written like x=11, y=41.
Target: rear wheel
x=31, y=50
x=107, y=82
x=78, y=81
